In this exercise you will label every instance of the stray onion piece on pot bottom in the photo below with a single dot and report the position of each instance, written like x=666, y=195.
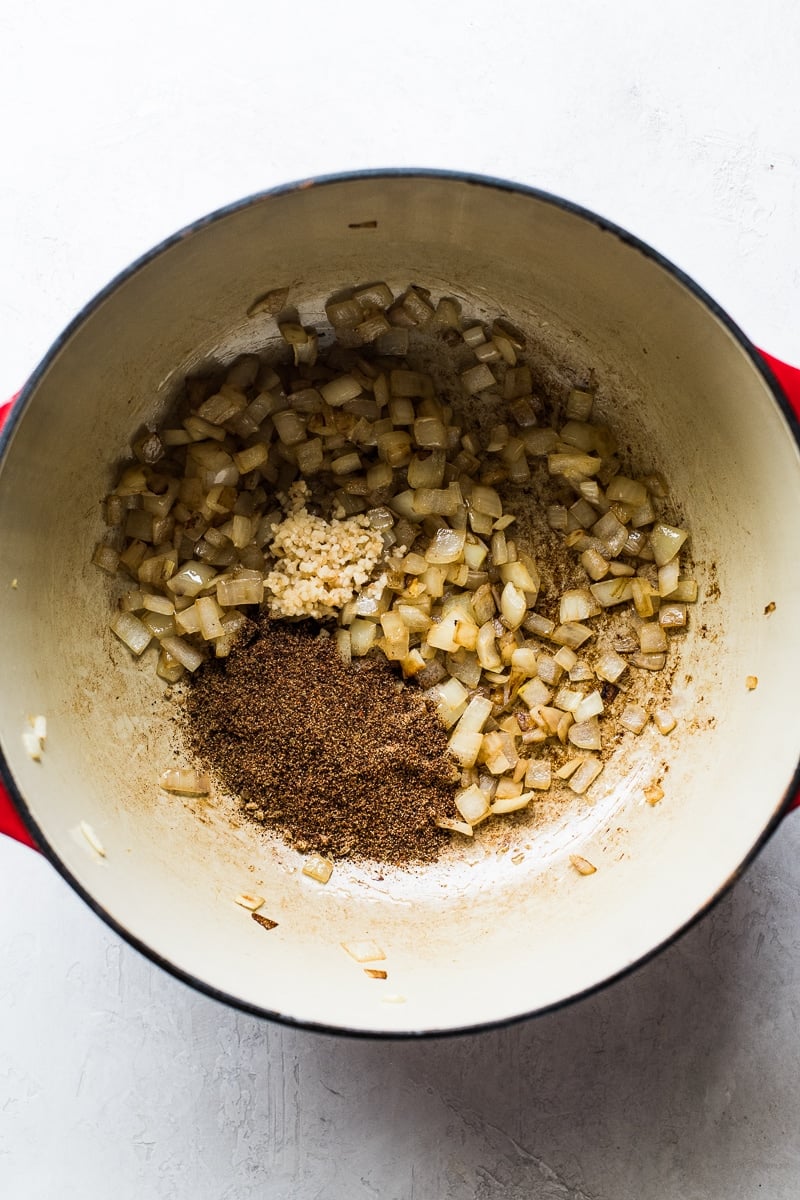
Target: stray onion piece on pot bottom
x=350, y=480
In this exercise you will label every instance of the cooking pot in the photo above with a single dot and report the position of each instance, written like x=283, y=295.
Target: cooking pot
x=498, y=929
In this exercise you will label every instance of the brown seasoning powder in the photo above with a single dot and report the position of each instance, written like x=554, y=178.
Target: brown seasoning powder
x=339, y=759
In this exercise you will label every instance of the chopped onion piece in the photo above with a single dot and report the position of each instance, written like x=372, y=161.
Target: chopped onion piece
x=539, y=774
x=133, y=632
x=664, y=720
x=499, y=548
x=450, y=701
x=649, y=662
x=593, y=563
x=446, y=546
x=362, y=636
x=472, y=804
x=442, y=633
x=666, y=542
x=672, y=615
x=92, y=839
x=184, y=781
x=513, y=605
x=183, y=652
x=653, y=793
x=444, y=502
x=317, y=867
x=523, y=661
x=366, y=951
x=652, y=638
x=106, y=558
x=498, y=752
x=579, y=404
x=577, y=604
x=344, y=645
x=609, y=592
x=568, y=700
x=484, y=499
x=612, y=533
x=191, y=578
x=571, y=634
x=668, y=577
x=455, y=826
x=486, y=648
x=208, y=616
x=474, y=335
x=430, y=434
x=585, y=775
x=509, y=804
x=477, y=379
x=465, y=748
x=751, y=683
x=541, y=626
x=585, y=734
x=628, y=491
x=633, y=718
x=569, y=768
x=522, y=576
x=169, y=669
x=642, y=596
x=246, y=588
x=549, y=669
x=582, y=865
x=535, y=693
x=590, y=706
x=476, y=714
x=338, y=391
x=251, y=903
x=610, y=666
x=686, y=591
x=32, y=745
x=573, y=464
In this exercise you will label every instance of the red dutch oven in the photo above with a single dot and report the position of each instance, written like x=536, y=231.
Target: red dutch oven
x=477, y=939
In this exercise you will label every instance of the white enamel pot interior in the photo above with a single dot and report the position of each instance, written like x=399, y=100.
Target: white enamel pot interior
x=482, y=937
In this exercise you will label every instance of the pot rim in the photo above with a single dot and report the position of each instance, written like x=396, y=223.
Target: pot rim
x=475, y=180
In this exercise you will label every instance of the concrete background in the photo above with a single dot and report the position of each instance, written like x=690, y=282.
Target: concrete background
x=679, y=121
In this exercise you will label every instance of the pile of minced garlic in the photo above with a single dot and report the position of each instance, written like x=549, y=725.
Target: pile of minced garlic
x=320, y=564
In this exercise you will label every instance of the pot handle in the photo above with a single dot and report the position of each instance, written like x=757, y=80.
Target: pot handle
x=10, y=820
x=789, y=379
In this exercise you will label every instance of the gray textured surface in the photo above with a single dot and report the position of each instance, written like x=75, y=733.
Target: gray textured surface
x=680, y=1083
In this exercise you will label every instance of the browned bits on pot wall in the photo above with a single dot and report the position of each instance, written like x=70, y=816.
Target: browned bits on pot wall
x=339, y=759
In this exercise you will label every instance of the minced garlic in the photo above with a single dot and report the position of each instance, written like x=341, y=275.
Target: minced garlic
x=320, y=564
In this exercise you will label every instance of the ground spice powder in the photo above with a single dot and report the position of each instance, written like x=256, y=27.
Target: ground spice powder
x=339, y=759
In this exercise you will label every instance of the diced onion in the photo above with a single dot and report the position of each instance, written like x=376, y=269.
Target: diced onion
x=472, y=804
x=582, y=865
x=317, y=867
x=509, y=804
x=585, y=775
x=633, y=718
x=465, y=748
x=183, y=652
x=666, y=542
x=184, y=781
x=133, y=632
x=338, y=391
x=664, y=720
x=366, y=951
